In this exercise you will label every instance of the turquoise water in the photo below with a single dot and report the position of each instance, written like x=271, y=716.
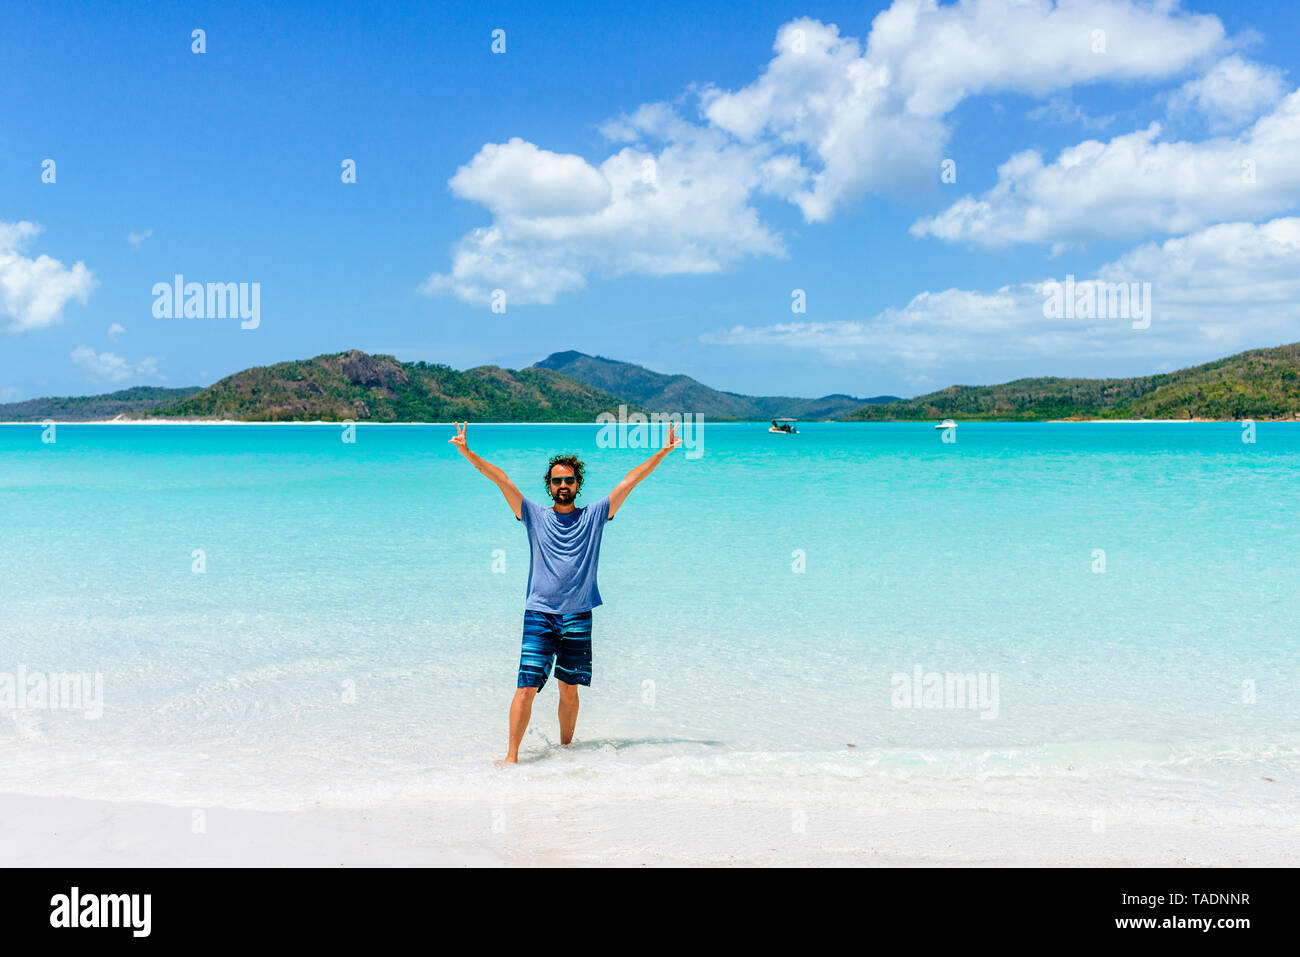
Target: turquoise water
x=356, y=633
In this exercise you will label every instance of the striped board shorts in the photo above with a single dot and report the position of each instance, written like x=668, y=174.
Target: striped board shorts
x=562, y=639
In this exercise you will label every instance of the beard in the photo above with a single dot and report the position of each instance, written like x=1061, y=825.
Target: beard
x=563, y=495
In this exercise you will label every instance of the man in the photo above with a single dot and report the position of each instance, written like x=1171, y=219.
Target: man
x=564, y=543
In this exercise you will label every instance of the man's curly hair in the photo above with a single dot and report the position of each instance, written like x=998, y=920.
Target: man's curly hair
x=571, y=461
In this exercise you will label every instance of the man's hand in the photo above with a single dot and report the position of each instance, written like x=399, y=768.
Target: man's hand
x=672, y=440
x=459, y=440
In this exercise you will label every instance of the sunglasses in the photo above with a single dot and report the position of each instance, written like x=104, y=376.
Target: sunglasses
x=564, y=479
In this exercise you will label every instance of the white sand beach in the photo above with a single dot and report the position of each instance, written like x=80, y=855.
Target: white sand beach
x=40, y=831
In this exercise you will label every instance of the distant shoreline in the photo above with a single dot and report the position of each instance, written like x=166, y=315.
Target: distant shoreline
x=281, y=422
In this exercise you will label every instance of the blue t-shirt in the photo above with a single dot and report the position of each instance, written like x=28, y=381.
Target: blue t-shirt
x=564, y=551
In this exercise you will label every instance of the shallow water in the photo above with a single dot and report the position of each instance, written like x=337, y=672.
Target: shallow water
x=355, y=634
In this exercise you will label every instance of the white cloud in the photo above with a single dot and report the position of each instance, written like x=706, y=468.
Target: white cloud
x=33, y=292
x=1133, y=186
x=518, y=179
x=116, y=330
x=681, y=210
x=943, y=54
x=1235, y=273
x=934, y=328
x=873, y=118
x=135, y=239
x=1222, y=289
x=1232, y=93
x=1064, y=111
x=829, y=119
x=106, y=366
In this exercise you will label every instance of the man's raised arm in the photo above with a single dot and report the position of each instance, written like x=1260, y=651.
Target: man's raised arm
x=623, y=488
x=512, y=494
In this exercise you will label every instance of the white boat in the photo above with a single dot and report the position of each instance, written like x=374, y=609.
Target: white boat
x=784, y=429
x=946, y=424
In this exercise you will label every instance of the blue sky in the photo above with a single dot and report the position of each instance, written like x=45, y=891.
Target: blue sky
x=649, y=186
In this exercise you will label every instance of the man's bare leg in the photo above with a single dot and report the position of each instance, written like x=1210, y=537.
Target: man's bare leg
x=568, y=711
x=521, y=709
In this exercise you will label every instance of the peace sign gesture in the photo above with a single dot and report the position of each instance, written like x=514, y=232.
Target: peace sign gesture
x=672, y=440
x=459, y=440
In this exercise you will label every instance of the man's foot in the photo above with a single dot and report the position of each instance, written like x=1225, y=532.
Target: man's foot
x=505, y=761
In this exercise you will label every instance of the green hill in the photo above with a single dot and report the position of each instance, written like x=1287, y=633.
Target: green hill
x=679, y=393
x=366, y=388
x=1259, y=384
x=89, y=408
